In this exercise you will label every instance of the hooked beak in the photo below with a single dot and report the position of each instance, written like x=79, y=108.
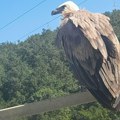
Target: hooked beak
x=58, y=10
x=54, y=12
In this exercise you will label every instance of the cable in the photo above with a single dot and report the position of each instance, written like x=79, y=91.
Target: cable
x=22, y=14
x=39, y=27
x=46, y=23
x=82, y=2
x=114, y=4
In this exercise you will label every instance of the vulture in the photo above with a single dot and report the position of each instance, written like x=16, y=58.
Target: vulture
x=93, y=51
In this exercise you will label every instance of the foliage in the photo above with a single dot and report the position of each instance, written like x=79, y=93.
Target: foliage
x=115, y=21
x=35, y=70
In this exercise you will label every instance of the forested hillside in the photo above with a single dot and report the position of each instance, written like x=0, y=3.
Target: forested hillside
x=35, y=70
x=115, y=21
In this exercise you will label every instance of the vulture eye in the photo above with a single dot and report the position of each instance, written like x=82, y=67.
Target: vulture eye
x=62, y=7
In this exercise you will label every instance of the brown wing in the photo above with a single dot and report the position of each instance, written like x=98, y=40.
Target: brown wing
x=92, y=49
x=93, y=26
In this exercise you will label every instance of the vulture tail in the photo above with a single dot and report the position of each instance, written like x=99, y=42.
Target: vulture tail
x=116, y=105
x=102, y=99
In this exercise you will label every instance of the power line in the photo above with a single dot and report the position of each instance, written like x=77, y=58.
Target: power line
x=82, y=2
x=22, y=14
x=114, y=4
x=41, y=26
x=46, y=23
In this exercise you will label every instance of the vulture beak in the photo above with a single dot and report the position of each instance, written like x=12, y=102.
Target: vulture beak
x=58, y=10
x=54, y=12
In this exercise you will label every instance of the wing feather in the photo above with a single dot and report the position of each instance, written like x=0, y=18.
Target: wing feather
x=93, y=26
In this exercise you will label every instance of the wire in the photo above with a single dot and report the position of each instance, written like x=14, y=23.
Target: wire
x=82, y=2
x=22, y=14
x=114, y=4
x=46, y=23
x=38, y=27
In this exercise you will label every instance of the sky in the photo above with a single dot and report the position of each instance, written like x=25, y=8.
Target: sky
x=38, y=17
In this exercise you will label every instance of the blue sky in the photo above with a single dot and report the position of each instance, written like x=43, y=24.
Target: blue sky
x=11, y=9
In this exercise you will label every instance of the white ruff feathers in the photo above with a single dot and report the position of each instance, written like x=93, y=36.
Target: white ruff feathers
x=71, y=4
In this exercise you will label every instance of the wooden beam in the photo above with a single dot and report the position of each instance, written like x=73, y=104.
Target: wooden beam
x=45, y=106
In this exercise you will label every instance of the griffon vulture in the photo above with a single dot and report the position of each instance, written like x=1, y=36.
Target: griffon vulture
x=93, y=52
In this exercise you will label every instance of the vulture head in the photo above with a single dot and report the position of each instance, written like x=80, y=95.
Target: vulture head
x=65, y=8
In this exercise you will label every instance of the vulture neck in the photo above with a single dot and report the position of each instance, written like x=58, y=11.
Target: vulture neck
x=68, y=14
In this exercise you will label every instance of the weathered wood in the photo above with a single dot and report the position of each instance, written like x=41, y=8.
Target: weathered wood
x=45, y=106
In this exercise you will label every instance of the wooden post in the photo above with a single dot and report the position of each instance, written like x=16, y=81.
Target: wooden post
x=45, y=106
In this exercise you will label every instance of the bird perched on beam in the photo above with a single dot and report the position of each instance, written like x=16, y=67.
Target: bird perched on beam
x=93, y=52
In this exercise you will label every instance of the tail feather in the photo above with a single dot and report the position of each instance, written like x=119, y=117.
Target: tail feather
x=116, y=105
x=106, y=101
x=102, y=99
